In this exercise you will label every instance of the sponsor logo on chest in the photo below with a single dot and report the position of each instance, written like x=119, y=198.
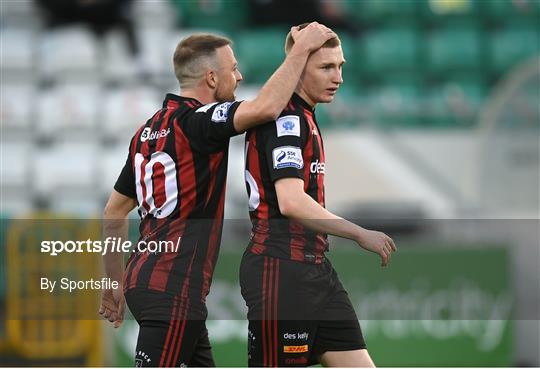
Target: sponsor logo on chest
x=148, y=134
x=317, y=167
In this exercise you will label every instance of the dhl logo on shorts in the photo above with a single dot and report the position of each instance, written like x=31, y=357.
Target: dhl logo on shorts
x=295, y=349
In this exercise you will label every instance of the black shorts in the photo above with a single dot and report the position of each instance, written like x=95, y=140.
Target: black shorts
x=168, y=334
x=297, y=311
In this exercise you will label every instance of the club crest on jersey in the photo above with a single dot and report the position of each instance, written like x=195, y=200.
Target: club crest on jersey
x=221, y=112
x=288, y=125
x=147, y=134
x=287, y=157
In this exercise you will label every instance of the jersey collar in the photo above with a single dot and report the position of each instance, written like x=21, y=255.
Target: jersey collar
x=174, y=101
x=298, y=100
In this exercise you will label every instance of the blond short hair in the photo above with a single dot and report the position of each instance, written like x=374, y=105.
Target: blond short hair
x=194, y=55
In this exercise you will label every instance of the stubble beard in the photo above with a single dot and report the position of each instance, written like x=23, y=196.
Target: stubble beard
x=222, y=96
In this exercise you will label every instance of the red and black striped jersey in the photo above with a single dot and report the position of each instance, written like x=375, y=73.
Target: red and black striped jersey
x=176, y=169
x=291, y=146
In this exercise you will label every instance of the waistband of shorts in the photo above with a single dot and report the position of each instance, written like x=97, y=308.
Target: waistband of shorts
x=277, y=252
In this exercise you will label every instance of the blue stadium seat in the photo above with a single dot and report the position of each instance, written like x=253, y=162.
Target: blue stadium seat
x=390, y=49
x=259, y=53
x=382, y=10
x=352, y=70
x=348, y=47
x=454, y=48
x=509, y=10
x=215, y=14
x=437, y=11
x=512, y=45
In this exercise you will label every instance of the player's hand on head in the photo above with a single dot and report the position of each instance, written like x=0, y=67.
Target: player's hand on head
x=379, y=243
x=312, y=37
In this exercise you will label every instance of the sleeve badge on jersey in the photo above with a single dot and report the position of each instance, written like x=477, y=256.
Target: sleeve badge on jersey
x=221, y=112
x=288, y=125
x=287, y=157
x=204, y=108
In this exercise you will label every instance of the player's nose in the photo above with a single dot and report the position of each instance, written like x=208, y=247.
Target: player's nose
x=239, y=76
x=337, y=77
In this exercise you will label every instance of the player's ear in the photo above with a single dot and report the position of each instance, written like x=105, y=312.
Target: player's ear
x=211, y=78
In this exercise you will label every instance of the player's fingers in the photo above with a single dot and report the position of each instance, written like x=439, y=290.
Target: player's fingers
x=388, y=255
x=309, y=27
x=322, y=27
x=107, y=313
x=107, y=304
x=388, y=247
x=329, y=35
x=392, y=243
x=384, y=259
x=329, y=32
x=113, y=316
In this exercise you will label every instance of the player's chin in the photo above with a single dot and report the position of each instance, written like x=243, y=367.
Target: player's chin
x=225, y=98
x=327, y=98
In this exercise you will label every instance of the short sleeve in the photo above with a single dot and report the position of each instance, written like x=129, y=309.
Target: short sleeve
x=283, y=142
x=211, y=126
x=125, y=184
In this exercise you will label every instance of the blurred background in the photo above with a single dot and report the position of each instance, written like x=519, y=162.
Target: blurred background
x=434, y=138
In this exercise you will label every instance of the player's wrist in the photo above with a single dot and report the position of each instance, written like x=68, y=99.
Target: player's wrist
x=299, y=50
x=360, y=236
